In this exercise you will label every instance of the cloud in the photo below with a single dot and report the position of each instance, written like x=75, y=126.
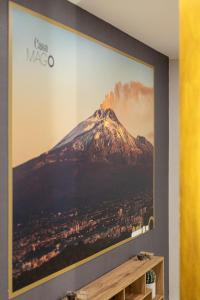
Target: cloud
x=133, y=103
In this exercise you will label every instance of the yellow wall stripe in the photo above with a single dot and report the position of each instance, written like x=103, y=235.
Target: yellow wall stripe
x=190, y=148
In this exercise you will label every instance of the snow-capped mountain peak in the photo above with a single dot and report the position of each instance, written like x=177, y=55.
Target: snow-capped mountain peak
x=103, y=137
x=87, y=125
x=105, y=114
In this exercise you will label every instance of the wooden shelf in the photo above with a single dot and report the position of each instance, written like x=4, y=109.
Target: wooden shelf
x=148, y=295
x=139, y=296
x=134, y=297
x=128, y=281
x=119, y=296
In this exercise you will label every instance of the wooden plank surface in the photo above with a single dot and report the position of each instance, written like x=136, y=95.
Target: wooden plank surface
x=134, y=297
x=119, y=278
x=148, y=292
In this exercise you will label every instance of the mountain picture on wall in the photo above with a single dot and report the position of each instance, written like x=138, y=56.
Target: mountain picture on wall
x=85, y=194
x=82, y=160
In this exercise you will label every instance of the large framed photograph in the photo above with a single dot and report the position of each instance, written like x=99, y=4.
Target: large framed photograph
x=81, y=148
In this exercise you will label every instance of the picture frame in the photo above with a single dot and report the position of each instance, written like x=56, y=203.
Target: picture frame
x=49, y=62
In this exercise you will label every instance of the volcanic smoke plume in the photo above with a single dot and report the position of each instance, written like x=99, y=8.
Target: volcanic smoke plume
x=133, y=103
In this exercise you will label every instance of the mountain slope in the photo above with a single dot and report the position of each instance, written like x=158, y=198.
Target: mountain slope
x=104, y=130
x=98, y=159
x=100, y=137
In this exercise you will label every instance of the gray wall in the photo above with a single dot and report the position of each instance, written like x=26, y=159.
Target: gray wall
x=156, y=240
x=173, y=180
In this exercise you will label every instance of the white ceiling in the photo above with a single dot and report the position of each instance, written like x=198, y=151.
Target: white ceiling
x=153, y=22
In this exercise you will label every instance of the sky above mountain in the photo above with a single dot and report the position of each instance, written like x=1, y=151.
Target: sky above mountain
x=49, y=102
